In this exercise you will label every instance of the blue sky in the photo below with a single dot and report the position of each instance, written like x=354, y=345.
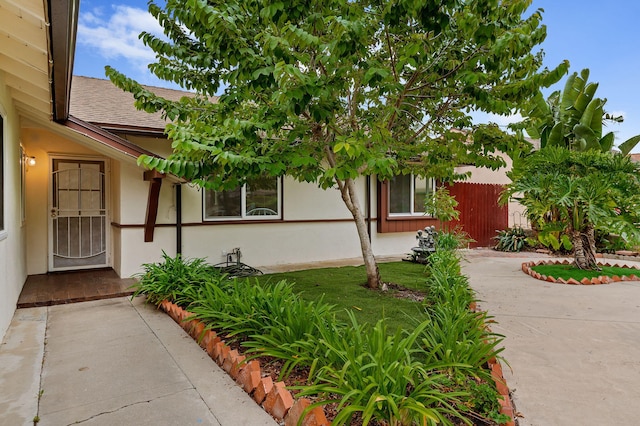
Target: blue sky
x=601, y=36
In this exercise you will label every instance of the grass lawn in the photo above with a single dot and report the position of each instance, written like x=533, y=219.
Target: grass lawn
x=344, y=288
x=570, y=271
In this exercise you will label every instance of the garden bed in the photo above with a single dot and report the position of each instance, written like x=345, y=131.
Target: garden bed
x=616, y=273
x=260, y=382
x=438, y=363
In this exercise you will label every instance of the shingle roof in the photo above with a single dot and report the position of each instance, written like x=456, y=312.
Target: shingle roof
x=99, y=102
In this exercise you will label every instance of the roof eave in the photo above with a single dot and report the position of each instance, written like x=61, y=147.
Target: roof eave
x=63, y=19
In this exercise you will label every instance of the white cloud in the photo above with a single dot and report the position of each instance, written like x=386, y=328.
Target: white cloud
x=115, y=36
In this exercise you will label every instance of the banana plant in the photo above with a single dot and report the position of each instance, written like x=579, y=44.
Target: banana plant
x=573, y=118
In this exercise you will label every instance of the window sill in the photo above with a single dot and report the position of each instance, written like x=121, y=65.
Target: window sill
x=230, y=221
x=409, y=217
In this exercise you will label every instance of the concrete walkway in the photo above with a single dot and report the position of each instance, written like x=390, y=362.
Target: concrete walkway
x=113, y=362
x=574, y=350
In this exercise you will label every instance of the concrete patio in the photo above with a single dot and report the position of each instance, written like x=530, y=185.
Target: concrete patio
x=574, y=351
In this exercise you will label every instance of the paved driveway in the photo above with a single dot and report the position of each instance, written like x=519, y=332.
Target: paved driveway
x=574, y=350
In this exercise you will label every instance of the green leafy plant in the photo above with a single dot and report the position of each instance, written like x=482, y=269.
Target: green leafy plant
x=442, y=206
x=445, y=282
x=610, y=243
x=173, y=278
x=459, y=338
x=380, y=376
x=453, y=239
x=484, y=401
x=573, y=193
x=555, y=240
x=512, y=239
x=400, y=376
x=573, y=118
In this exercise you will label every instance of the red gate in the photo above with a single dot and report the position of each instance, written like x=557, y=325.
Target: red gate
x=480, y=214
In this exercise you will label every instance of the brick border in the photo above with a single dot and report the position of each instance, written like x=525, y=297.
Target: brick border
x=274, y=398
x=493, y=365
x=603, y=279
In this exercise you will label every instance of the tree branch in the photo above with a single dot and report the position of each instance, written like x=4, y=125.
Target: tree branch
x=392, y=55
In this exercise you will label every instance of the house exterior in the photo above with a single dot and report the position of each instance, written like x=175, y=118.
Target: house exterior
x=73, y=197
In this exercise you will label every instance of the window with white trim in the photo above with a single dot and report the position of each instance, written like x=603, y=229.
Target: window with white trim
x=259, y=199
x=407, y=194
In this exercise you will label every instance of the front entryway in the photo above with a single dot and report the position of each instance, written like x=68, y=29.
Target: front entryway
x=78, y=214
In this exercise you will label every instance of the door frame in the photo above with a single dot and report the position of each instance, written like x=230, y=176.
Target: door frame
x=107, y=205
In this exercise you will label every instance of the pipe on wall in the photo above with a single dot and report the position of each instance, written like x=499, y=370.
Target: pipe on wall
x=178, y=218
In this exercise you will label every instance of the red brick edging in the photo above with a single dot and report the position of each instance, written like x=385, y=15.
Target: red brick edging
x=603, y=279
x=506, y=405
x=274, y=398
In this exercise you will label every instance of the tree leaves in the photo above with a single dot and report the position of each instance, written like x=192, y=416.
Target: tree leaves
x=566, y=191
x=573, y=118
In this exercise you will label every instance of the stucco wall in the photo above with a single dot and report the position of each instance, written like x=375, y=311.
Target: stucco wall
x=12, y=239
x=316, y=227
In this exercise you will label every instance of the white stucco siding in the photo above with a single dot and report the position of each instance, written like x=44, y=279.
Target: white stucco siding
x=13, y=271
x=485, y=175
x=394, y=243
x=307, y=201
x=135, y=194
x=134, y=252
x=273, y=244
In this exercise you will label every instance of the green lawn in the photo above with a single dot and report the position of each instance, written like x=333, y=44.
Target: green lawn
x=569, y=271
x=344, y=288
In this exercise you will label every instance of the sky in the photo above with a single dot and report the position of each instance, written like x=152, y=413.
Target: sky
x=592, y=34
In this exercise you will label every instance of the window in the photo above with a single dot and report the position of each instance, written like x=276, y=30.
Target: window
x=258, y=199
x=407, y=194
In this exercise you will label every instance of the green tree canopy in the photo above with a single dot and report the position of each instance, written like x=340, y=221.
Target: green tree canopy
x=330, y=90
x=575, y=192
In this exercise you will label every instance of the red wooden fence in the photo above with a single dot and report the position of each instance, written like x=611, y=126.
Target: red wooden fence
x=480, y=214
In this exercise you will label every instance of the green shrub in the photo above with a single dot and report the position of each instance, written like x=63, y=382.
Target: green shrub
x=482, y=403
x=381, y=376
x=459, y=338
x=173, y=278
x=452, y=240
x=512, y=239
x=445, y=281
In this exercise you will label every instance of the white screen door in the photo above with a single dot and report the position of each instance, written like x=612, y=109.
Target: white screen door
x=78, y=215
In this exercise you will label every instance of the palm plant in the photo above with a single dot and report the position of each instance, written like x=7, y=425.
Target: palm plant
x=573, y=118
x=577, y=192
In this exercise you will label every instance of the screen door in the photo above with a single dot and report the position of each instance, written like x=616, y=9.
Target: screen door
x=78, y=215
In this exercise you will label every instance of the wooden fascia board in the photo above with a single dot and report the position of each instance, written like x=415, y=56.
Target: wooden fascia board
x=106, y=138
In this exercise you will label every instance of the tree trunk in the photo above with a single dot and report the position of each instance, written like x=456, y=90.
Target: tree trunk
x=350, y=198
x=585, y=249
